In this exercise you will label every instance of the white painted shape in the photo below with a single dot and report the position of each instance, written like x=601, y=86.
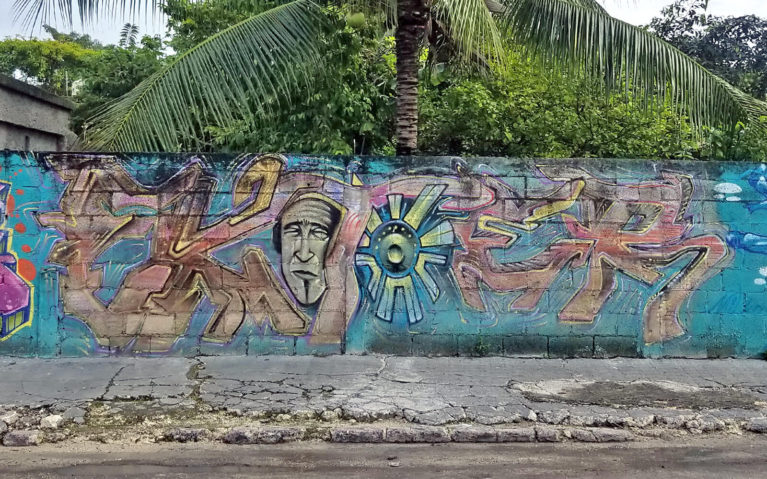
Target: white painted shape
x=728, y=188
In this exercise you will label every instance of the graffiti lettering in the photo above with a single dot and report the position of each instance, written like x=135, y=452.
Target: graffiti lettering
x=632, y=229
x=103, y=206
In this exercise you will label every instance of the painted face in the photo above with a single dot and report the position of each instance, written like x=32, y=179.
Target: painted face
x=306, y=230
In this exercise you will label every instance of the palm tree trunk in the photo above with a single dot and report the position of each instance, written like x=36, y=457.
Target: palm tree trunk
x=411, y=24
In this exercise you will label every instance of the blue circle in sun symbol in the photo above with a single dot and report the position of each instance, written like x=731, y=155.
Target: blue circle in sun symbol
x=405, y=240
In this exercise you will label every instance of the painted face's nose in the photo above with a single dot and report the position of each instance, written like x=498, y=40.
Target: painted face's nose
x=303, y=254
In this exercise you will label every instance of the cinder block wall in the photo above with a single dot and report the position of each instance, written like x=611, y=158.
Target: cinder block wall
x=190, y=254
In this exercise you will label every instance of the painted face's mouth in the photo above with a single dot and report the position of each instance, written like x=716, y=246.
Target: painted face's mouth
x=304, y=274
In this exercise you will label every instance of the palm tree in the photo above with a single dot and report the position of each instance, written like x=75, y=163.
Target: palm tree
x=258, y=63
x=128, y=35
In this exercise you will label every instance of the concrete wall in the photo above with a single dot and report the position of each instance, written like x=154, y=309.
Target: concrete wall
x=14, y=137
x=32, y=118
x=194, y=254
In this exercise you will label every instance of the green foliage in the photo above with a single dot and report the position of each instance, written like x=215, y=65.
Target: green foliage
x=81, y=39
x=239, y=77
x=578, y=36
x=51, y=64
x=111, y=73
x=526, y=109
x=190, y=22
x=744, y=142
x=734, y=48
x=349, y=109
x=481, y=348
x=532, y=112
x=249, y=68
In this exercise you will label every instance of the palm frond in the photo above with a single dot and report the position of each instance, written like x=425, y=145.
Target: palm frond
x=590, y=4
x=35, y=12
x=471, y=28
x=574, y=35
x=234, y=73
x=497, y=7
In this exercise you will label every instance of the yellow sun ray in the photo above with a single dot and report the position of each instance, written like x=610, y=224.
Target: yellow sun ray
x=442, y=234
x=374, y=221
x=395, y=206
x=423, y=204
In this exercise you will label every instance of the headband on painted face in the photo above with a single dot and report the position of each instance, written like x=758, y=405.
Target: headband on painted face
x=314, y=202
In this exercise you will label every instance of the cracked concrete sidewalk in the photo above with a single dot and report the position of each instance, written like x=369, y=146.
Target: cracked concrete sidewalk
x=360, y=398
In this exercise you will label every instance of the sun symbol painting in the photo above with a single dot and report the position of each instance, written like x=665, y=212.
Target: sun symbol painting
x=405, y=241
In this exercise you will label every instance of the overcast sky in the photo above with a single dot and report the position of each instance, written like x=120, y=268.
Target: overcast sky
x=638, y=12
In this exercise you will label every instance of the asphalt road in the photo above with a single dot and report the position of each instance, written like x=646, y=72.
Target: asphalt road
x=722, y=457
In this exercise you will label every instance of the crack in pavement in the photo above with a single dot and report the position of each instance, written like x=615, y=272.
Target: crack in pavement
x=111, y=384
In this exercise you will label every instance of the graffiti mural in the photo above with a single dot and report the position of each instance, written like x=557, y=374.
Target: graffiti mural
x=630, y=229
x=264, y=254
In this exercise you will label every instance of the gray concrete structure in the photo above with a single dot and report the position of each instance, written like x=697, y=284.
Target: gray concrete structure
x=32, y=119
x=267, y=399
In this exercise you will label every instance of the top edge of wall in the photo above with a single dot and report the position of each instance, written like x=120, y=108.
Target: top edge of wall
x=400, y=161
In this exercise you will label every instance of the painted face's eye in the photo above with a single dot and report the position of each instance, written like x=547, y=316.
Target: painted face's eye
x=318, y=232
x=293, y=229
